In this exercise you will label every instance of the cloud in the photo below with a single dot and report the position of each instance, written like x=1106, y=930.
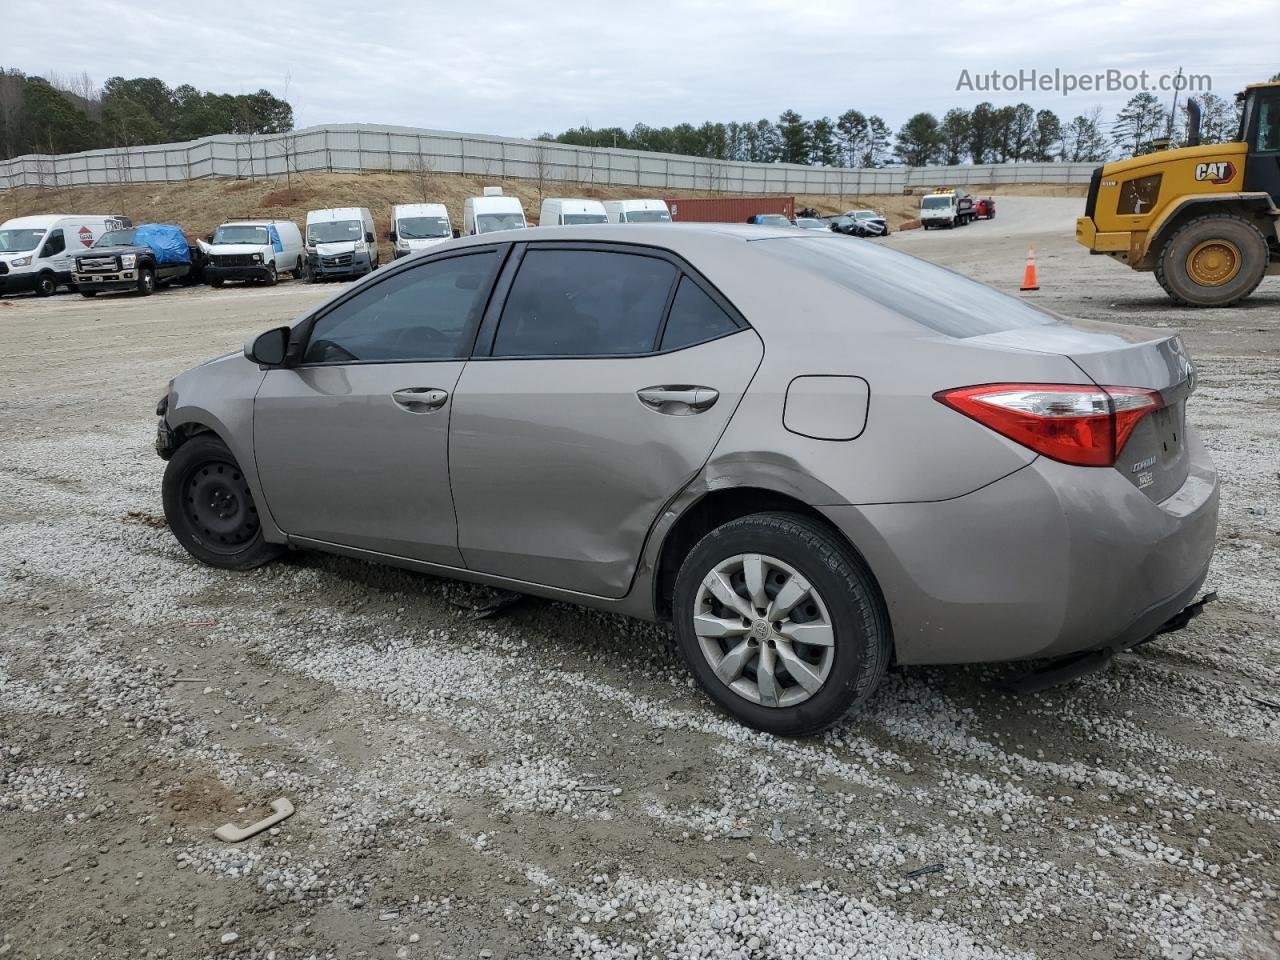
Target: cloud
x=515, y=67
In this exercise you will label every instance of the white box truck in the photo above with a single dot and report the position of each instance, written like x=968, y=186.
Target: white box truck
x=254, y=250
x=417, y=226
x=637, y=211
x=571, y=211
x=38, y=253
x=492, y=212
x=341, y=242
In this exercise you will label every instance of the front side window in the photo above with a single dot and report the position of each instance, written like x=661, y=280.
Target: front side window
x=425, y=313
x=54, y=245
x=334, y=231
x=242, y=233
x=694, y=318
x=584, y=303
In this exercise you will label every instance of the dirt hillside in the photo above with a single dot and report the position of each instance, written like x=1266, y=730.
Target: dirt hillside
x=200, y=205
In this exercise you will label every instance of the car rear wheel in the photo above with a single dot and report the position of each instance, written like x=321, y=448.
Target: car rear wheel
x=1212, y=261
x=781, y=623
x=210, y=508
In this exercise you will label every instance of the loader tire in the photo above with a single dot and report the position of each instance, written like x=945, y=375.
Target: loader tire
x=1212, y=261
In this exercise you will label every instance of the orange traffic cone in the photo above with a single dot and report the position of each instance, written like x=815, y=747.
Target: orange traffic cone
x=1029, y=281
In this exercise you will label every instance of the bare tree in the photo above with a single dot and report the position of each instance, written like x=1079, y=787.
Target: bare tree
x=422, y=171
x=541, y=167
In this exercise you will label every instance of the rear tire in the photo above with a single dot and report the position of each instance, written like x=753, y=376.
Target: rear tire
x=842, y=605
x=210, y=508
x=1212, y=261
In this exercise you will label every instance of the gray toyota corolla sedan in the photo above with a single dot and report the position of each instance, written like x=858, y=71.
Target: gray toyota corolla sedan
x=811, y=455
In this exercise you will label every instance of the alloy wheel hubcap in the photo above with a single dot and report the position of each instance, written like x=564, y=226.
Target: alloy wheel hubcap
x=764, y=630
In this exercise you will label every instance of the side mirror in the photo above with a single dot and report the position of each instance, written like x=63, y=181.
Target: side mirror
x=269, y=349
x=391, y=235
x=368, y=237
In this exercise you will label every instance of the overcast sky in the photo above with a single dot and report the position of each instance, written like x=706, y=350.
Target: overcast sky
x=516, y=67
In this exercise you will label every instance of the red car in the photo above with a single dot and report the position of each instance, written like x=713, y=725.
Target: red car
x=984, y=208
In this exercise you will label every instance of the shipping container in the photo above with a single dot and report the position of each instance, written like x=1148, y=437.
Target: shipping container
x=728, y=209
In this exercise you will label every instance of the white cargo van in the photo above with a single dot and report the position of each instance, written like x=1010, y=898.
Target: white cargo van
x=637, y=211
x=568, y=211
x=341, y=243
x=38, y=253
x=254, y=250
x=492, y=212
x=417, y=226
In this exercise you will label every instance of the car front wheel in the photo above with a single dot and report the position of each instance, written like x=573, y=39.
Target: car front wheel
x=781, y=623
x=210, y=508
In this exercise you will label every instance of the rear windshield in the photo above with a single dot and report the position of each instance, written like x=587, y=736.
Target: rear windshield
x=931, y=296
x=647, y=216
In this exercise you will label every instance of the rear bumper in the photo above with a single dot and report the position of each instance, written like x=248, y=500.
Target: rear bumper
x=1049, y=561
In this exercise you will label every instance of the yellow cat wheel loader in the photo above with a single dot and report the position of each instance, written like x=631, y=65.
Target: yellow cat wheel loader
x=1205, y=218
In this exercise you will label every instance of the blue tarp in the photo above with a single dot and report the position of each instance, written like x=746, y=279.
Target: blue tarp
x=168, y=242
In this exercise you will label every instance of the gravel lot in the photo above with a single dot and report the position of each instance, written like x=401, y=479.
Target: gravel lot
x=547, y=783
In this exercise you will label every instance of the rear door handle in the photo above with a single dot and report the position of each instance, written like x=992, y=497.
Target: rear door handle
x=420, y=399
x=678, y=400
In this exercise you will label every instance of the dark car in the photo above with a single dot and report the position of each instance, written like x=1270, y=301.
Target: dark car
x=853, y=227
x=139, y=258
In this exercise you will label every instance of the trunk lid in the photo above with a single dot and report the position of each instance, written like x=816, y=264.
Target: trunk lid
x=1112, y=355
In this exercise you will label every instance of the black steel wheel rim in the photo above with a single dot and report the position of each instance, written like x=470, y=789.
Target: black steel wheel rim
x=218, y=504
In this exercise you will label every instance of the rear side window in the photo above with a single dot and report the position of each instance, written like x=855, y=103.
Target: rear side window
x=694, y=318
x=584, y=303
x=932, y=296
x=425, y=313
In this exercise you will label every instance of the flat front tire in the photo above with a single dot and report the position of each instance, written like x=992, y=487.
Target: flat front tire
x=210, y=508
x=781, y=623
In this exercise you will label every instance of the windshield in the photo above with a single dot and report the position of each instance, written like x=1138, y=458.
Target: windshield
x=489, y=222
x=936, y=203
x=570, y=219
x=115, y=238
x=422, y=228
x=241, y=233
x=930, y=295
x=334, y=231
x=19, y=241
x=647, y=216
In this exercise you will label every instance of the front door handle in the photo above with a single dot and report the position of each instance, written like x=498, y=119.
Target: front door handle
x=679, y=401
x=420, y=399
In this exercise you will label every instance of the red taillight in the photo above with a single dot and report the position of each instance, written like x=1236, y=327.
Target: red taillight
x=1082, y=425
